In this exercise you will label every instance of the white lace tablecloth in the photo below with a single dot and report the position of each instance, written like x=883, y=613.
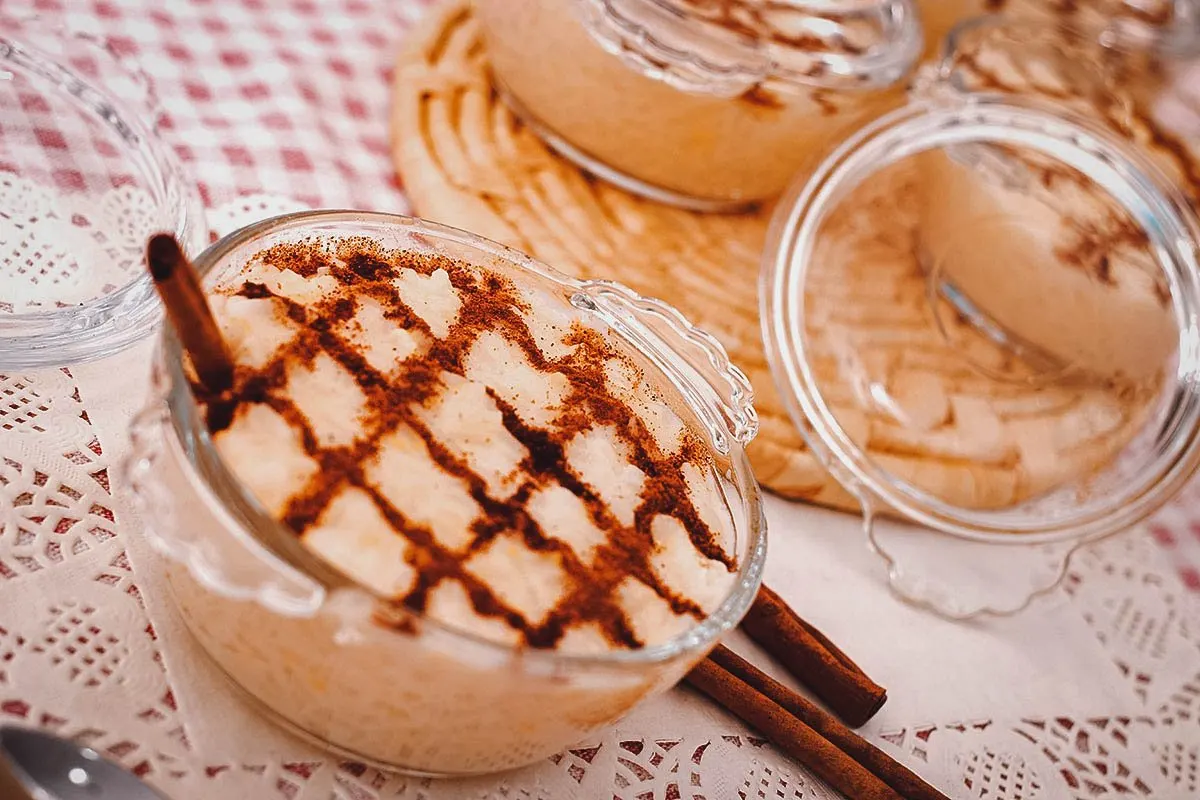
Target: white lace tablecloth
x=1092, y=693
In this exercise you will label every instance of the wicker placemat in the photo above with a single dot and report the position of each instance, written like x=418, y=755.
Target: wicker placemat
x=466, y=161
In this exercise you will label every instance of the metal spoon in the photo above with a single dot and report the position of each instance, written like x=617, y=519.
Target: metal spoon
x=39, y=766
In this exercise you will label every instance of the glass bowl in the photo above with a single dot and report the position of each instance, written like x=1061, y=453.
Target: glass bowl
x=1167, y=27
x=981, y=312
x=418, y=694
x=709, y=106
x=84, y=179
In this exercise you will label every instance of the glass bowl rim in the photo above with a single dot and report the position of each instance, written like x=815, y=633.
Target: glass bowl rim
x=29, y=340
x=875, y=68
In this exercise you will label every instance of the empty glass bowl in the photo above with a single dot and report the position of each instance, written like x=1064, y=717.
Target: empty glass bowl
x=84, y=179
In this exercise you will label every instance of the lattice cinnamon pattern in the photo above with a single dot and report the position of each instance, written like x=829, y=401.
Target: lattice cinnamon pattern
x=490, y=302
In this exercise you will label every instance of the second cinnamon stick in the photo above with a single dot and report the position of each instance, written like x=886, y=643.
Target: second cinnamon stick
x=789, y=734
x=901, y=779
x=815, y=661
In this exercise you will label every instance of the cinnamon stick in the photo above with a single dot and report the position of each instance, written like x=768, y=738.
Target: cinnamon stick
x=179, y=287
x=901, y=779
x=789, y=733
x=815, y=661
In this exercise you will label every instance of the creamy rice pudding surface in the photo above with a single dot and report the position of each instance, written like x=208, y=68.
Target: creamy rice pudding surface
x=1045, y=253
x=474, y=453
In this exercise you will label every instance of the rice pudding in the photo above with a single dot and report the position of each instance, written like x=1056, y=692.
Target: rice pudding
x=534, y=522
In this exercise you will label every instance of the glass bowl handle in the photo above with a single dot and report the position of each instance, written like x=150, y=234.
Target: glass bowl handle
x=190, y=528
x=697, y=363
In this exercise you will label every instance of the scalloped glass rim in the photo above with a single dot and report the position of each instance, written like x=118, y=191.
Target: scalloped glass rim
x=106, y=325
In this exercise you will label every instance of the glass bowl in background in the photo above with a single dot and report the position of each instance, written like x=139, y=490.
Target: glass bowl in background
x=417, y=694
x=1129, y=89
x=1168, y=28
x=981, y=311
x=84, y=180
x=709, y=106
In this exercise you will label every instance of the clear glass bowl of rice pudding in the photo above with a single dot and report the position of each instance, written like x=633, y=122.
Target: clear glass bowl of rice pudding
x=512, y=505
x=708, y=105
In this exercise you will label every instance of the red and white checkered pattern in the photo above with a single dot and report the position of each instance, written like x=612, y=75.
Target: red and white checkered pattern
x=291, y=97
x=46, y=140
x=1177, y=530
x=286, y=97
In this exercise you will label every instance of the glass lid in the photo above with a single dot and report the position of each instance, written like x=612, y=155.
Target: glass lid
x=983, y=316
x=84, y=180
x=728, y=47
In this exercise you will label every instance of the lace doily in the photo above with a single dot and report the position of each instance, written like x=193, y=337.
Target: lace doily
x=44, y=234
x=1094, y=692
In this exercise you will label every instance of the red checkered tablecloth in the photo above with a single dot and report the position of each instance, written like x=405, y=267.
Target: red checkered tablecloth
x=286, y=97
x=291, y=98
x=1177, y=530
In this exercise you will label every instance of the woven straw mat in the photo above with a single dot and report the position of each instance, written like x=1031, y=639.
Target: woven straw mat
x=467, y=162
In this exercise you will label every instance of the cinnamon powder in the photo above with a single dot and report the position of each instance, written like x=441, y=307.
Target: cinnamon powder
x=490, y=302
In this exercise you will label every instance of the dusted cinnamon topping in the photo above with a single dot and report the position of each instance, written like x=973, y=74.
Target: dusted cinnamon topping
x=468, y=449
x=1094, y=233
x=761, y=97
x=1106, y=84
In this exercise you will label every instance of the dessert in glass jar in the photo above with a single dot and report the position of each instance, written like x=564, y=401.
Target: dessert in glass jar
x=457, y=511
x=1107, y=312
x=978, y=310
x=1162, y=26
x=1143, y=54
x=704, y=104
x=1126, y=89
